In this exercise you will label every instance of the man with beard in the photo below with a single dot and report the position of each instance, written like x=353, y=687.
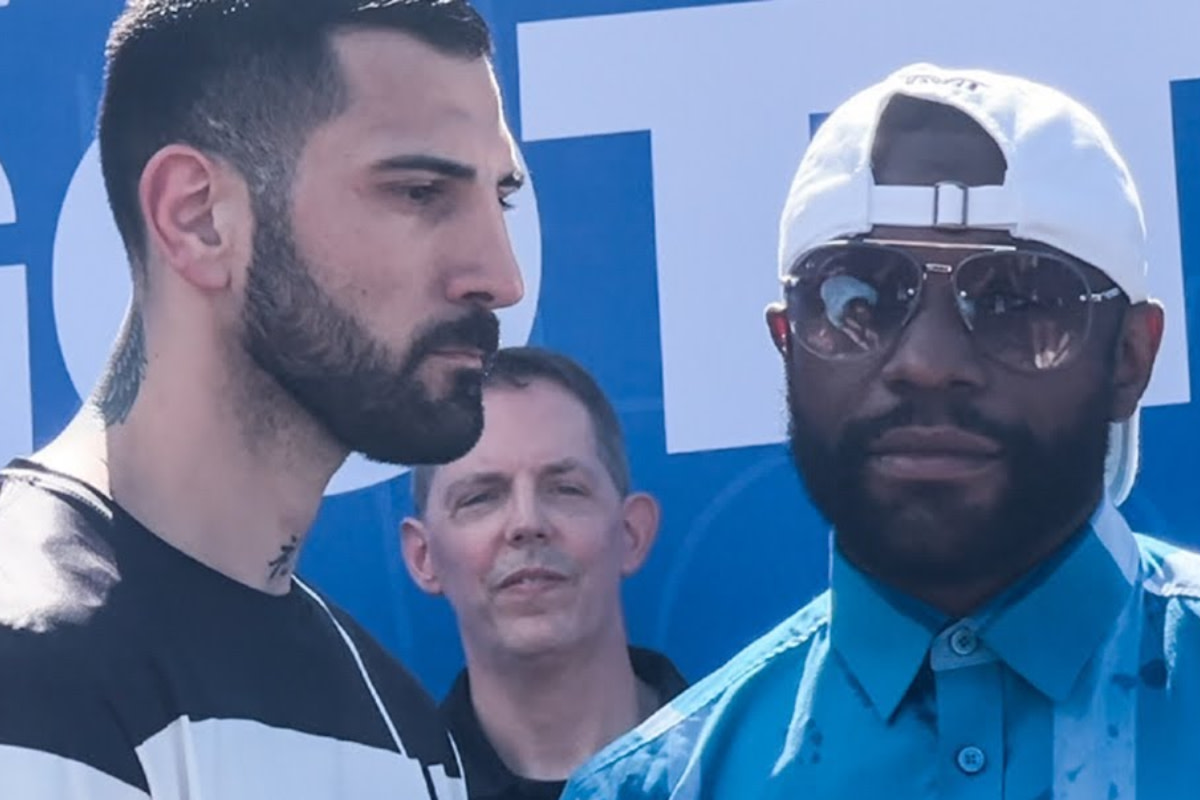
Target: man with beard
x=310, y=193
x=993, y=628
x=530, y=537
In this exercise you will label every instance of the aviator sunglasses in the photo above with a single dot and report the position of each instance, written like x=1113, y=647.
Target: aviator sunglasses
x=1026, y=308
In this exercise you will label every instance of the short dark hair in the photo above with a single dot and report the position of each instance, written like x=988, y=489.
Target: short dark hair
x=243, y=80
x=517, y=368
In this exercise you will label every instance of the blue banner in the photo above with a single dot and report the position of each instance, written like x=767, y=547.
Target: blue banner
x=660, y=136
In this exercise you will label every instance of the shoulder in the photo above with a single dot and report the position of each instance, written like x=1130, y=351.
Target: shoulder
x=63, y=723
x=487, y=775
x=657, y=755
x=1170, y=570
x=412, y=709
x=384, y=667
x=57, y=573
x=457, y=710
x=60, y=637
x=60, y=589
x=56, y=565
x=1171, y=587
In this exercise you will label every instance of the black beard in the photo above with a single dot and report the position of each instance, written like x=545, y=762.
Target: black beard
x=1051, y=483
x=368, y=399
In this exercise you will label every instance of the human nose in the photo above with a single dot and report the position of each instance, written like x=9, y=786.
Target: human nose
x=527, y=523
x=486, y=272
x=934, y=352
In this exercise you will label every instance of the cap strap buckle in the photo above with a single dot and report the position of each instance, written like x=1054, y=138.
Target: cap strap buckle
x=950, y=201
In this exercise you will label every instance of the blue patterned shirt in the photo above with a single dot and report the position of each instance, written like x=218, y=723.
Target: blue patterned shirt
x=1083, y=682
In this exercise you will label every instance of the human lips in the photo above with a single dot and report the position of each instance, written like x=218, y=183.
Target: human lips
x=474, y=355
x=934, y=453
x=474, y=338
x=530, y=578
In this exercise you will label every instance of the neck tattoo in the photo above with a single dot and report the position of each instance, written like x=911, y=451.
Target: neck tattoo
x=282, y=565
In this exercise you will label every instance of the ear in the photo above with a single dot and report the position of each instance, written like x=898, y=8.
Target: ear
x=640, y=516
x=414, y=543
x=780, y=330
x=1137, y=348
x=198, y=215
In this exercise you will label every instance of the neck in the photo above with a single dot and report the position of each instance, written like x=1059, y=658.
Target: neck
x=547, y=714
x=221, y=466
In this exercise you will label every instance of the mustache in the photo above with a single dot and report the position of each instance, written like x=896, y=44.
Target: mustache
x=477, y=330
x=859, y=435
x=544, y=557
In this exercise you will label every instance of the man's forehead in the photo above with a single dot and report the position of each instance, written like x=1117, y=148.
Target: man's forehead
x=362, y=47
x=405, y=93
x=497, y=471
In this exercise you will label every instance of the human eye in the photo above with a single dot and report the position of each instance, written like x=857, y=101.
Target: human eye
x=1000, y=300
x=475, y=499
x=420, y=194
x=569, y=489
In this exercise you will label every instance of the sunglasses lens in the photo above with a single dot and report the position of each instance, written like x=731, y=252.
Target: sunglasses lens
x=847, y=300
x=1030, y=311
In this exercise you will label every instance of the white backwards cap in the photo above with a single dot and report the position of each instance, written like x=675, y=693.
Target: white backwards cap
x=1065, y=186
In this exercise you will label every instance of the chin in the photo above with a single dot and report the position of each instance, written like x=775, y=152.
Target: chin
x=931, y=537
x=433, y=438
x=442, y=382
x=532, y=638
x=421, y=428
x=981, y=494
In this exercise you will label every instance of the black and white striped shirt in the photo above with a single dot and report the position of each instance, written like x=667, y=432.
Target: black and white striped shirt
x=129, y=670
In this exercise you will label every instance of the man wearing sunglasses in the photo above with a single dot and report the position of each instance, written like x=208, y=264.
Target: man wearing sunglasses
x=967, y=334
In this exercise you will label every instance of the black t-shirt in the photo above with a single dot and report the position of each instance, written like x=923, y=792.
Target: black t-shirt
x=488, y=777
x=129, y=670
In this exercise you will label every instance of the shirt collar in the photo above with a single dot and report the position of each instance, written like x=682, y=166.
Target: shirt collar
x=486, y=773
x=1045, y=629
x=880, y=634
x=1048, y=633
x=658, y=672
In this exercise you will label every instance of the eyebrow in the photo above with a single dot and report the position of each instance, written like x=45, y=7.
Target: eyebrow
x=564, y=466
x=482, y=479
x=473, y=481
x=445, y=167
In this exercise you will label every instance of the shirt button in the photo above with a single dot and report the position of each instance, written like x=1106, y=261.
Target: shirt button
x=971, y=760
x=963, y=641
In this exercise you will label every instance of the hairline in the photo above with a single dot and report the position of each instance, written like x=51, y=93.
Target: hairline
x=282, y=166
x=521, y=383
